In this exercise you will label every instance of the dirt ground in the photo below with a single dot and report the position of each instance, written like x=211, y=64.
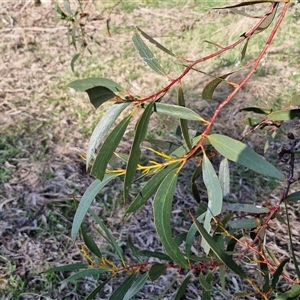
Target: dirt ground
x=43, y=124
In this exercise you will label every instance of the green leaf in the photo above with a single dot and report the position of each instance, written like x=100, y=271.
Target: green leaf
x=204, y=283
x=268, y=20
x=99, y=95
x=156, y=271
x=102, y=128
x=89, y=83
x=243, y=52
x=243, y=223
x=183, y=122
x=134, y=250
x=210, y=87
x=75, y=57
x=182, y=288
x=249, y=208
x=224, y=177
x=146, y=55
x=150, y=188
x=225, y=258
x=294, y=197
x=177, y=112
x=157, y=44
x=68, y=8
x=168, y=287
x=135, y=152
x=84, y=273
x=90, y=243
x=71, y=267
x=191, y=236
x=122, y=289
x=195, y=190
x=241, y=154
x=284, y=115
x=291, y=294
x=93, y=294
x=162, y=206
x=86, y=201
x=278, y=272
x=206, y=294
x=106, y=151
x=155, y=254
x=247, y=3
x=222, y=276
x=215, y=196
x=109, y=236
x=257, y=110
x=136, y=287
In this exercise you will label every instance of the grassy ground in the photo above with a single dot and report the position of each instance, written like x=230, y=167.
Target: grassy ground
x=43, y=123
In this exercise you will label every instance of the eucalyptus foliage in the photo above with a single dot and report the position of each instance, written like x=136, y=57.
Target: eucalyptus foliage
x=220, y=232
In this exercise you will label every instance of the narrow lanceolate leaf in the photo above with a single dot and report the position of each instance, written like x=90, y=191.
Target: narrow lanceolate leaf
x=268, y=21
x=94, y=293
x=150, y=188
x=215, y=196
x=181, y=290
x=243, y=52
x=190, y=237
x=134, y=249
x=183, y=122
x=90, y=243
x=284, y=115
x=153, y=41
x=221, y=254
x=136, y=287
x=74, y=59
x=224, y=177
x=162, y=206
x=241, y=154
x=257, y=110
x=108, y=235
x=134, y=157
x=177, y=112
x=156, y=271
x=88, y=83
x=291, y=294
x=209, y=89
x=102, y=128
x=247, y=3
x=86, y=201
x=106, y=151
x=204, y=283
x=248, y=208
x=122, y=289
x=294, y=197
x=146, y=55
x=84, y=273
x=278, y=272
x=243, y=223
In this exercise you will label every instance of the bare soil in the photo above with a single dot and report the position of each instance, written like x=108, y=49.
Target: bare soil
x=47, y=123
